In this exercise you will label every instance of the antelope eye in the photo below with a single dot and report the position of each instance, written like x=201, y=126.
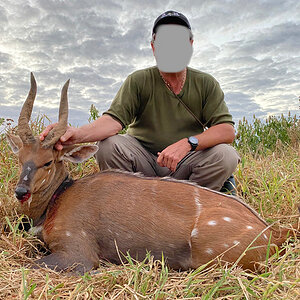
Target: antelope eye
x=48, y=163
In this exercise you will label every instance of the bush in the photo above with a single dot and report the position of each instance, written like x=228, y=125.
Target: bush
x=261, y=137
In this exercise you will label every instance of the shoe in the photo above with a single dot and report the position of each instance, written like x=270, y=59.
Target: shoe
x=229, y=186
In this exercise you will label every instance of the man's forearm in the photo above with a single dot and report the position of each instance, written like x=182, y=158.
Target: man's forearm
x=218, y=134
x=100, y=129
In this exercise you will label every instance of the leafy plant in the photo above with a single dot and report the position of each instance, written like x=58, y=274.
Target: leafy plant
x=262, y=137
x=94, y=115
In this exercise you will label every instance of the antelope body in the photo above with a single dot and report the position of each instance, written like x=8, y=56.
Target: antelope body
x=95, y=217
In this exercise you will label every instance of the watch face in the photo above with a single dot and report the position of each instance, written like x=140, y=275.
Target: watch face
x=193, y=140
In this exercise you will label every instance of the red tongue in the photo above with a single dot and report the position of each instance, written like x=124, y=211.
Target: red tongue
x=25, y=198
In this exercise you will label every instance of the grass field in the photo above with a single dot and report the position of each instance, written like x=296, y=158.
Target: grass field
x=267, y=179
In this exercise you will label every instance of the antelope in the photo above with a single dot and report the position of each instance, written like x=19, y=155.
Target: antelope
x=102, y=215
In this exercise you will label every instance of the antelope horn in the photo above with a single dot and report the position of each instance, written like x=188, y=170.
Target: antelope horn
x=24, y=130
x=55, y=134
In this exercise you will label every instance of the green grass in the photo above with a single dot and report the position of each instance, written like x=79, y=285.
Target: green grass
x=267, y=179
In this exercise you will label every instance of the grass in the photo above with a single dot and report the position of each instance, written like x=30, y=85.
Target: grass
x=267, y=179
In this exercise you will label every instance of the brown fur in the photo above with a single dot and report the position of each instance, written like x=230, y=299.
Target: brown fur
x=138, y=215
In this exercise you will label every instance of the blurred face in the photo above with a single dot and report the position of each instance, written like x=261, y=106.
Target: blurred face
x=172, y=48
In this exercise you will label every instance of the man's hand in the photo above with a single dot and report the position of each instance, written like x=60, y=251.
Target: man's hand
x=173, y=154
x=100, y=129
x=70, y=137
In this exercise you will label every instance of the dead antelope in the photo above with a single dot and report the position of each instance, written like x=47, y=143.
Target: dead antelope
x=83, y=221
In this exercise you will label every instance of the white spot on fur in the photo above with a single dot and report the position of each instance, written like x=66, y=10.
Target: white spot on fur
x=227, y=219
x=249, y=227
x=212, y=223
x=43, y=180
x=209, y=251
x=226, y=245
x=49, y=171
x=194, y=232
x=236, y=242
x=25, y=178
x=83, y=232
x=29, y=169
x=265, y=236
x=68, y=233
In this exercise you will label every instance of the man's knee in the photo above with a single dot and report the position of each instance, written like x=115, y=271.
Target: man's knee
x=214, y=166
x=106, y=148
x=112, y=153
x=124, y=152
x=226, y=157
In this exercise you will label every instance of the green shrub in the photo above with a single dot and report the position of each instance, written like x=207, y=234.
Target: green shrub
x=261, y=137
x=94, y=114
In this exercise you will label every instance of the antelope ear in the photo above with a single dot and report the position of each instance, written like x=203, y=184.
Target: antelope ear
x=78, y=154
x=14, y=142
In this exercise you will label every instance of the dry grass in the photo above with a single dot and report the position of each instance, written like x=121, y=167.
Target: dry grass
x=268, y=183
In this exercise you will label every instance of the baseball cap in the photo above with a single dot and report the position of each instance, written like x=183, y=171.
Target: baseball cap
x=171, y=17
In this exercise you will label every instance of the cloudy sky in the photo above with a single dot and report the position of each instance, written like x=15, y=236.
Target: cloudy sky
x=251, y=47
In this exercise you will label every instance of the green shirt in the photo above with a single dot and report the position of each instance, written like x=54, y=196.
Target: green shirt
x=157, y=118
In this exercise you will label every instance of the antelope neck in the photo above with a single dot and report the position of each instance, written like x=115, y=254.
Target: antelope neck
x=66, y=183
x=41, y=198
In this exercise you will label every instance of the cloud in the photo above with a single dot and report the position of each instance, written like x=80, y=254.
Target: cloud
x=251, y=47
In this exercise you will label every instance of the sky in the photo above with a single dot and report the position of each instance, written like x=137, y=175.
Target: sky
x=251, y=47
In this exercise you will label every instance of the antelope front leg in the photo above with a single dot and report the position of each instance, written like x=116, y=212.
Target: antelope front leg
x=62, y=262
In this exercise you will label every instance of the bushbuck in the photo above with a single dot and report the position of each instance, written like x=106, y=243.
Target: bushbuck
x=100, y=216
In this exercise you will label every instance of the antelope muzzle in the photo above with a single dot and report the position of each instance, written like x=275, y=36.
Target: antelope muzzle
x=22, y=193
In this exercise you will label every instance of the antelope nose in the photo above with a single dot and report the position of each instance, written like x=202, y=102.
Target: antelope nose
x=20, y=192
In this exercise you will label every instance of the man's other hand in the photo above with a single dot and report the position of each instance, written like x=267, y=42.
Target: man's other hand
x=173, y=154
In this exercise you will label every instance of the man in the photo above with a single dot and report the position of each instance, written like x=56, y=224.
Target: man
x=167, y=108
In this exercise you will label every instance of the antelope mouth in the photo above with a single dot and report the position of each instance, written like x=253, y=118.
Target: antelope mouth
x=24, y=198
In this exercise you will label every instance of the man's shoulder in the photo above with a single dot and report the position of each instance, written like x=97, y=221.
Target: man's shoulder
x=143, y=72
x=196, y=74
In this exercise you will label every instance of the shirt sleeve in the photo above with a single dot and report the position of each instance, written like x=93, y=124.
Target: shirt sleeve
x=215, y=110
x=125, y=105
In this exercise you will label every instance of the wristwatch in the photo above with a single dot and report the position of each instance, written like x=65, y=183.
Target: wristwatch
x=193, y=141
